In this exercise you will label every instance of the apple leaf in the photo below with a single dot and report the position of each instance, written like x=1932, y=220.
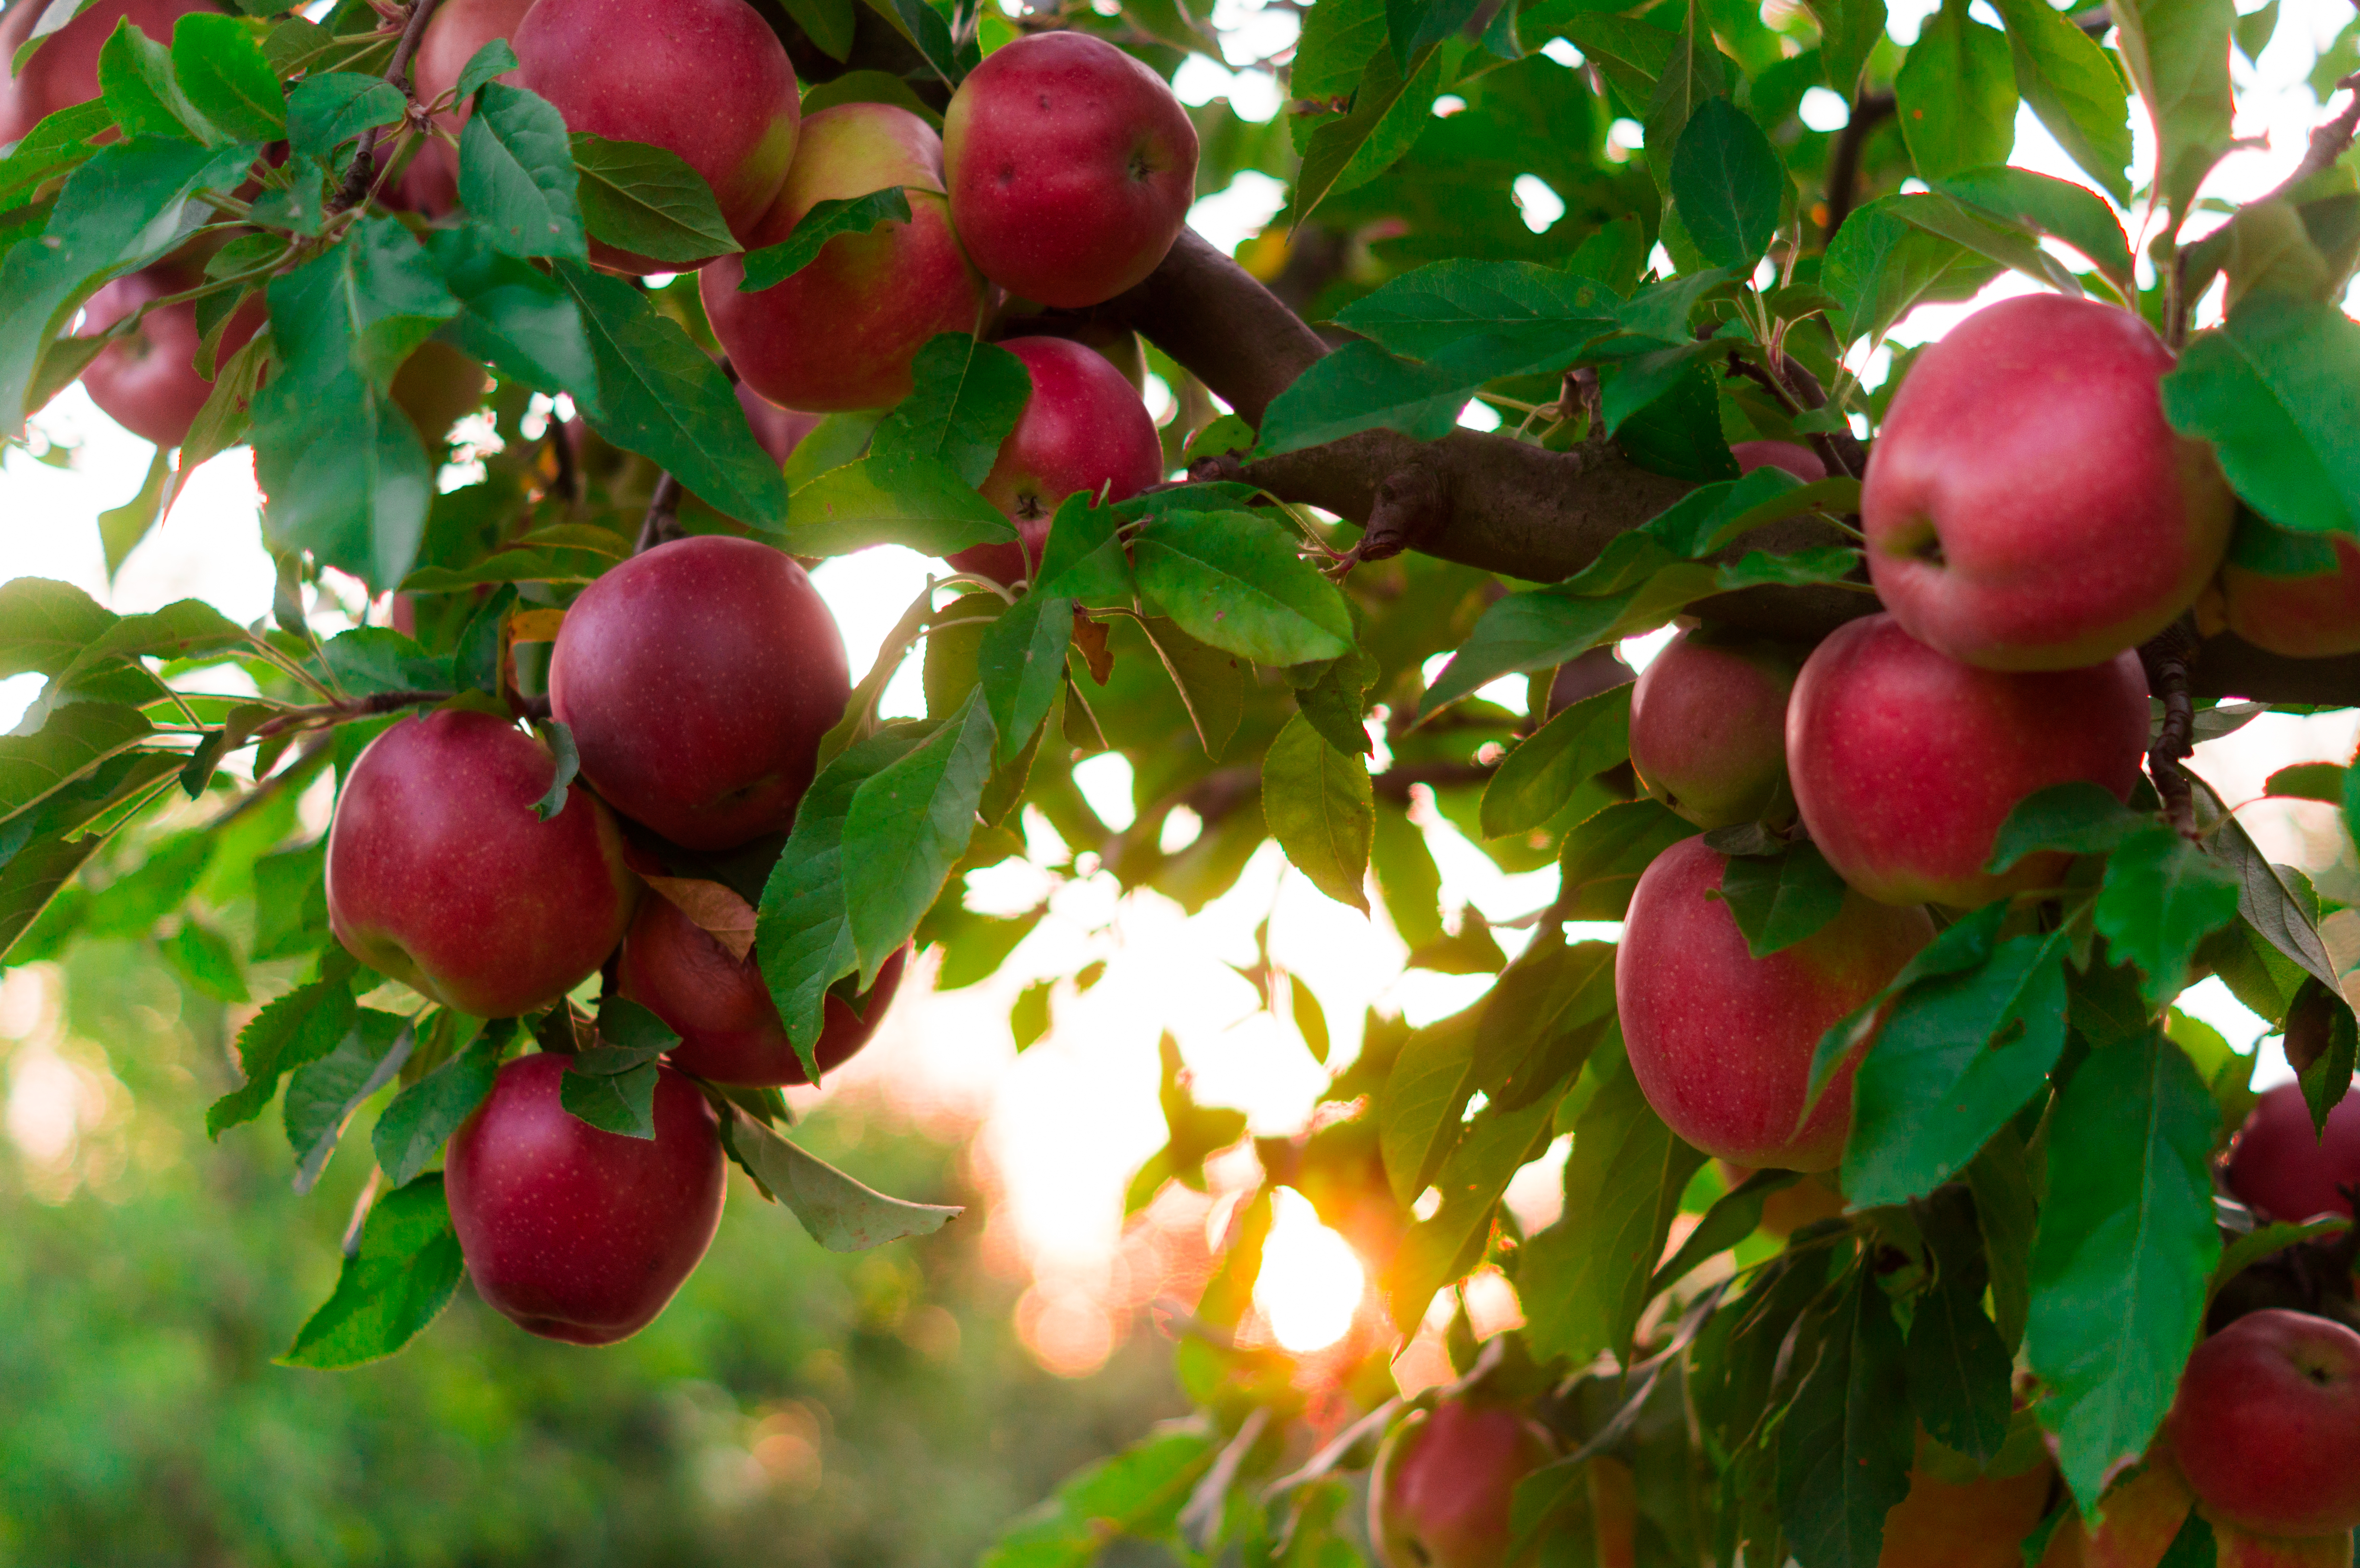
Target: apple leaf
x=1498, y=1141
x=322, y=1096
x=2077, y=93
x=841, y=1213
x=417, y=1121
x=1603, y=857
x=1780, y=899
x=2275, y=389
x=1586, y=1275
x=2178, y=54
x=517, y=175
x=1956, y=95
x=2078, y=818
x=2006, y=1214
x=1537, y=779
x=1322, y=809
x=2125, y=1240
x=135, y=78
x=1520, y=314
x=1388, y=109
x=1021, y=663
x=393, y=1285
x=221, y=70
x=1845, y=1448
x=906, y=827
x=774, y=263
x=1425, y=1092
x=328, y=110
x=1880, y=267
x=75, y=741
x=559, y=735
x=495, y=59
x=1735, y=1215
x=1137, y=1493
x=1234, y=581
x=1359, y=388
x=648, y=201
x=1959, y=1368
x=2162, y=896
x=965, y=398
x=1729, y=184
x=1084, y=561
x=623, y=1102
x=45, y=625
x=907, y=499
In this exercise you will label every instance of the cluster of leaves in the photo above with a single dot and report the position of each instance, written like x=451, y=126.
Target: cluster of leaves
x=2009, y=1210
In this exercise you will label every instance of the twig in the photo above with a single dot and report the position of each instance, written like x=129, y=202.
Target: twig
x=1843, y=163
x=2166, y=656
x=357, y=178
x=663, y=525
x=330, y=713
x=568, y=484
x=2328, y=141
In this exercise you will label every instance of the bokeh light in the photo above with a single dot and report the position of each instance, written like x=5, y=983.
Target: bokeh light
x=1311, y=1280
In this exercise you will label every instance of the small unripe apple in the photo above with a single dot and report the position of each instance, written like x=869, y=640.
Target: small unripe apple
x=729, y=1027
x=1083, y=429
x=1904, y=761
x=704, y=79
x=777, y=430
x=2298, y=618
x=147, y=381
x=440, y=875
x=2027, y=506
x=64, y=70
x=841, y=334
x=572, y=1232
x=1799, y=461
x=1708, y=725
x=1072, y=166
x=2282, y=1170
x=2266, y=1426
x=698, y=678
x=1719, y=1040
x=1444, y=1481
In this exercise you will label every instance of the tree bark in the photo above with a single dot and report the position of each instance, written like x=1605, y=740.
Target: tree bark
x=1509, y=506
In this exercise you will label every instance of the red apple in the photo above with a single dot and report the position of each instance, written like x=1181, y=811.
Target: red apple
x=64, y=70
x=440, y=875
x=704, y=79
x=2299, y=617
x=2266, y=1426
x=1956, y=1517
x=456, y=31
x=2282, y=1170
x=1904, y=761
x=572, y=1232
x=841, y=333
x=147, y=381
x=778, y=430
x=2027, y=506
x=1708, y=725
x=1721, y=1041
x=1072, y=168
x=1444, y=1480
x=1083, y=428
x=1799, y=461
x=729, y=1030
x=698, y=678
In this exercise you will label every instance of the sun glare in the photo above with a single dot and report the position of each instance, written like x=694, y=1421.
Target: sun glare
x=1311, y=1280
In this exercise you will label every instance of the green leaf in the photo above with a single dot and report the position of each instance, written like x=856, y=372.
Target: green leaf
x=186, y=628
x=1537, y=779
x=1694, y=72
x=1194, y=1132
x=559, y=737
x=392, y=1286
x=2178, y=53
x=1957, y=96
x=1138, y=1493
x=1880, y=267
x=1425, y=1095
x=2078, y=818
x=321, y=1097
x=1630, y=54
x=2275, y=389
x=495, y=58
x=1500, y=317
x=1322, y=809
x=1022, y=666
x=1602, y=857
x=1845, y=1446
x=1958, y=1056
x=417, y=1122
x=827, y=23
x=622, y=1102
x=1729, y=184
x=647, y=200
x=77, y=738
x=2005, y=1213
x=51, y=148
x=2007, y=243
x=2075, y=90
x=1586, y=1277
x=1234, y=581
x=1778, y=901
x=804, y=931
x=841, y=1215
x=2057, y=208
x=1408, y=881
x=660, y=397
x=906, y=828
x=1498, y=1142
x=1359, y=388
x=774, y=263
x=1735, y=1215
x=2162, y=896
x=204, y=958
x=44, y=625
x=222, y=71
x=2308, y=782
x=917, y=502
x=1412, y=25
x=300, y=1026
x=516, y=318
x=965, y=398
x=1390, y=107
x=370, y=660
x=517, y=175
x=1849, y=30
x=134, y=74
x=1959, y=1368
x=2125, y=1241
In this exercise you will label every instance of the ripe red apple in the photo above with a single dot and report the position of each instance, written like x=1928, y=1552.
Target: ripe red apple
x=778, y=430
x=147, y=381
x=2281, y=1170
x=1708, y=725
x=1799, y=461
x=2266, y=1426
x=698, y=678
x=440, y=875
x=2027, y=506
x=572, y=1232
x=729, y=1029
x=2300, y=617
x=64, y=70
x=1440, y=1493
x=1083, y=428
x=1072, y=166
x=705, y=80
x=1904, y=761
x=456, y=31
x=841, y=333
x=1721, y=1041
x=1956, y=1517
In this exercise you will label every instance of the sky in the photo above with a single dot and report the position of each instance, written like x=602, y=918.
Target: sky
x=1059, y=1129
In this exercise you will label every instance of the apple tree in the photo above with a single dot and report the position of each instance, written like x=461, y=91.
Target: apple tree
x=574, y=332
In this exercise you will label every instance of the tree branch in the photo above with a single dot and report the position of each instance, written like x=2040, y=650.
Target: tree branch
x=364, y=166
x=1871, y=110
